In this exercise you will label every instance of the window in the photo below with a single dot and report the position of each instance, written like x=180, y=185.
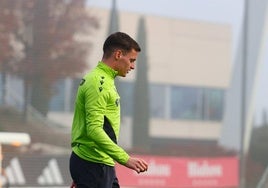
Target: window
x=125, y=90
x=57, y=101
x=186, y=103
x=158, y=104
x=75, y=85
x=166, y=101
x=213, y=104
x=64, y=96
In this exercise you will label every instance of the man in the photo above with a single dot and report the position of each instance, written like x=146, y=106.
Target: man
x=96, y=121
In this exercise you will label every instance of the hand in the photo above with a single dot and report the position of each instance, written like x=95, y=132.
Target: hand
x=137, y=164
x=73, y=185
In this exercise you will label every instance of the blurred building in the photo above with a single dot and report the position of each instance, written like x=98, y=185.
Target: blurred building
x=189, y=70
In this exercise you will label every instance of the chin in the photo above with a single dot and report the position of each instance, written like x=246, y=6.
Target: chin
x=122, y=75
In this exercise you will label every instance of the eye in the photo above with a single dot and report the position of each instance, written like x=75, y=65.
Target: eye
x=132, y=60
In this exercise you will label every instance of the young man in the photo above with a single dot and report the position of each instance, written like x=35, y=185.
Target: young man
x=96, y=120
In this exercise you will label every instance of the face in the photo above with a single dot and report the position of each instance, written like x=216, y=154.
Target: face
x=126, y=62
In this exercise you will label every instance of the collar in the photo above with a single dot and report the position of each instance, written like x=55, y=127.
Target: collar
x=111, y=72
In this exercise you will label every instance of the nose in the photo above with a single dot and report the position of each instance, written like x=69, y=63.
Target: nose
x=132, y=66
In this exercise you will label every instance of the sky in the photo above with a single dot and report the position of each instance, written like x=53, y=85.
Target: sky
x=217, y=11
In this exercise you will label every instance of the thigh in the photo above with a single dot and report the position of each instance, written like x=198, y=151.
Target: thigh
x=109, y=180
x=86, y=174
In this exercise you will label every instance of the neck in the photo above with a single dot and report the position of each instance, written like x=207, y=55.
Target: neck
x=109, y=62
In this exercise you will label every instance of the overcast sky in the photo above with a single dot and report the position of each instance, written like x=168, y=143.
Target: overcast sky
x=218, y=11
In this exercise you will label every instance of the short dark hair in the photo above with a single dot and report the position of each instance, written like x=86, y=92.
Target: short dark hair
x=119, y=40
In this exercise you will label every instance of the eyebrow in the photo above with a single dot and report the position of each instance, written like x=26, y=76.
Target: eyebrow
x=132, y=59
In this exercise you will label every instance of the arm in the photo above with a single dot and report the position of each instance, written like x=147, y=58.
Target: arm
x=95, y=107
x=95, y=110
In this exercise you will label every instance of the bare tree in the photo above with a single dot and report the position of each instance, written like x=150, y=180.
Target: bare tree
x=48, y=31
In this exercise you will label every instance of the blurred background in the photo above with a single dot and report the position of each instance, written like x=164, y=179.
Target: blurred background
x=195, y=107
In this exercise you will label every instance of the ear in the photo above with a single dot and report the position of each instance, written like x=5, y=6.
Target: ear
x=117, y=54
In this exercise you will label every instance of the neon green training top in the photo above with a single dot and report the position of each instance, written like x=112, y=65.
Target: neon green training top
x=96, y=120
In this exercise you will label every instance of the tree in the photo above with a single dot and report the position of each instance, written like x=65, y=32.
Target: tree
x=50, y=31
x=114, y=27
x=114, y=19
x=8, y=25
x=141, y=116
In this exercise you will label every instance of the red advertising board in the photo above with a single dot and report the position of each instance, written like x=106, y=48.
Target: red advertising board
x=183, y=172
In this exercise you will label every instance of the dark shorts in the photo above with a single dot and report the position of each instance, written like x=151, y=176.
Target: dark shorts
x=87, y=174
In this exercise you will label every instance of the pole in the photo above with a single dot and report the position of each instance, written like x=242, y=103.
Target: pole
x=1, y=158
x=244, y=97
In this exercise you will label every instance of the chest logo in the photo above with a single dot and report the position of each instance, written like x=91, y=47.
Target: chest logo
x=117, y=102
x=82, y=82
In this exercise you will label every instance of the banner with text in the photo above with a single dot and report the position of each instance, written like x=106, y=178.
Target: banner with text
x=183, y=172
x=168, y=172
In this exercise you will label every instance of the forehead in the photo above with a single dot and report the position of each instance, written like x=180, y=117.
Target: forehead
x=132, y=54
